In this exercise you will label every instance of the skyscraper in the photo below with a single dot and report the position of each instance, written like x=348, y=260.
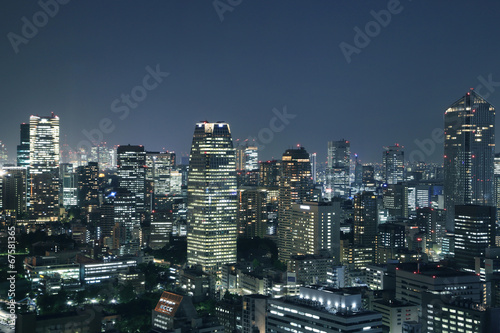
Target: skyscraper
x=69, y=184
x=394, y=164
x=212, y=197
x=469, y=148
x=132, y=173
x=88, y=186
x=295, y=186
x=365, y=219
x=338, y=169
x=44, y=167
x=253, y=211
x=269, y=173
x=14, y=189
x=314, y=166
x=23, y=149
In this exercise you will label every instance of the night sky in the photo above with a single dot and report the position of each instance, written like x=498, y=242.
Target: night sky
x=262, y=55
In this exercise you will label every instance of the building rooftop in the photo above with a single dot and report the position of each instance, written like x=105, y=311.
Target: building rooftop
x=431, y=270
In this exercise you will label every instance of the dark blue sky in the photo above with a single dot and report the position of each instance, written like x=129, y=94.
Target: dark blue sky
x=263, y=55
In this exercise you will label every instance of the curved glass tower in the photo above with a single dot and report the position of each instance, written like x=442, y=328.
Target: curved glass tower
x=212, y=198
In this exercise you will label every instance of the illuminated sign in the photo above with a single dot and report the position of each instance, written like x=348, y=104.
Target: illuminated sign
x=305, y=207
x=168, y=303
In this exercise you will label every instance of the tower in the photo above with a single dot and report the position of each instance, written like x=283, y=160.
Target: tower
x=469, y=148
x=338, y=168
x=44, y=167
x=295, y=186
x=212, y=197
x=394, y=164
x=132, y=173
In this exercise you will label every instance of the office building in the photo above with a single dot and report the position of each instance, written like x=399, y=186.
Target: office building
x=315, y=226
x=14, y=190
x=321, y=311
x=442, y=312
x=395, y=313
x=88, y=186
x=469, y=148
x=365, y=220
x=412, y=279
x=212, y=197
x=394, y=164
x=69, y=182
x=23, y=149
x=132, y=173
x=252, y=211
x=391, y=238
x=253, y=317
x=311, y=269
x=269, y=173
x=474, y=233
x=44, y=167
x=338, y=169
x=395, y=198
x=295, y=187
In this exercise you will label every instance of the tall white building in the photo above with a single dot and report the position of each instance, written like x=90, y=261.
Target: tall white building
x=212, y=197
x=44, y=167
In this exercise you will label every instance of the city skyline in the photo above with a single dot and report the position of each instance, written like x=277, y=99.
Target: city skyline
x=189, y=75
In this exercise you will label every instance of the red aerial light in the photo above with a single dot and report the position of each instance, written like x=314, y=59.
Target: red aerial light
x=434, y=276
x=419, y=239
x=415, y=272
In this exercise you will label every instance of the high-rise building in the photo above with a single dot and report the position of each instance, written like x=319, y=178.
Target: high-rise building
x=474, y=232
x=4, y=157
x=394, y=164
x=338, y=169
x=252, y=211
x=315, y=227
x=104, y=156
x=365, y=219
x=469, y=148
x=23, y=149
x=212, y=197
x=368, y=176
x=391, y=237
x=125, y=215
x=295, y=187
x=158, y=177
x=132, y=173
x=395, y=198
x=14, y=189
x=88, y=186
x=44, y=167
x=314, y=166
x=269, y=173
x=497, y=183
x=69, y=184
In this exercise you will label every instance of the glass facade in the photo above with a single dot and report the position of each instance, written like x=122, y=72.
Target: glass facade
x=469, y=148
x=212, y=197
